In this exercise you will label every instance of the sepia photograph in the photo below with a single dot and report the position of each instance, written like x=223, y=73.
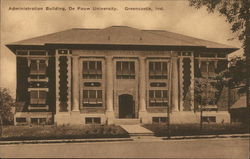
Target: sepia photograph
x=124, y=79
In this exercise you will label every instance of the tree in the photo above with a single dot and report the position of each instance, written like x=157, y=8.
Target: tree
x=6, y=105
x=204, y=92
x=237, y=72
x=237, y=13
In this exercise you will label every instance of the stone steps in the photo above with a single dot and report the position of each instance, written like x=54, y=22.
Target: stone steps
x=138, y=132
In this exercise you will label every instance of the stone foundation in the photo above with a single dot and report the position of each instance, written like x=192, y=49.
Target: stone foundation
x=77, y=118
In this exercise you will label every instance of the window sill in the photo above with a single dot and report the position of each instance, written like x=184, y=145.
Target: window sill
x=37, y=73
x=46, y=107
x=38, y=80
x=38, y=89
x=157, y=107
x=84, y=107
x=125, y=78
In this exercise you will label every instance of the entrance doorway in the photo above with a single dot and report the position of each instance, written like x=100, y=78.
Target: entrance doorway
x=126, y=106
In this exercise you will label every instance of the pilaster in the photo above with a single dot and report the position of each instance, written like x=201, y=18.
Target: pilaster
x=142, y=90
x=75, y=82
x=57, y=82
x=192, y=82
x=109, y=90
x=174, y=83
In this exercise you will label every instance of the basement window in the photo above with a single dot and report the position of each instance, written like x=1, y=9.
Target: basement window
x=38, y=121
x=90, y=120
x=209, y=119
x=159, y=120
x=21, y=120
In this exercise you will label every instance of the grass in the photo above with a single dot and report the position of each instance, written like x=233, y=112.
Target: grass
x=194, y=129
x=62, y=132
x=113, y=131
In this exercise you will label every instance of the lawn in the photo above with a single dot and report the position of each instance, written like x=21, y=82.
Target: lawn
x=194, y=129
x=62, y=132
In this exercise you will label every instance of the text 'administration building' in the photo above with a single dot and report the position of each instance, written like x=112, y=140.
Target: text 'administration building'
x=117, y=75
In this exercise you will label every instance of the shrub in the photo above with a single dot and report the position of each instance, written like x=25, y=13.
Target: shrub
x=6, y=105
x=62, y=132
x=194, y=129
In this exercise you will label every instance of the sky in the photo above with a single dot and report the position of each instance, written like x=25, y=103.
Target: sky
x=176, y=16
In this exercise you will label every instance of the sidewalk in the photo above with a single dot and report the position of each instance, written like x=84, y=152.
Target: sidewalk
x=208, y=136
x=64, y=141
x=122, y=139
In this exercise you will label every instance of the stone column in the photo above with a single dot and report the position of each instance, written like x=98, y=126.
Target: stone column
x=75, y=81
x=142, y=90
x=109, y=90
x=174, y=84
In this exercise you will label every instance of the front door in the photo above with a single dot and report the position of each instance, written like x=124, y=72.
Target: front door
x=126, y=106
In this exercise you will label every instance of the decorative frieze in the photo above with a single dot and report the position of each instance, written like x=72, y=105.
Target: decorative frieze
x=181, y=82
x=186, y=79
x=63, y=82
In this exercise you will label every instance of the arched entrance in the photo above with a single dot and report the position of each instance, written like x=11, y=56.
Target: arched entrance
x=126, y=106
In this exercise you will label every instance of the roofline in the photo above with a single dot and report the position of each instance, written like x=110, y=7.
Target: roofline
x=152, y=31
x=13, y=48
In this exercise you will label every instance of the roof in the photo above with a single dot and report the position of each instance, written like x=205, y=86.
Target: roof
x=120, y=35
x=240, y=103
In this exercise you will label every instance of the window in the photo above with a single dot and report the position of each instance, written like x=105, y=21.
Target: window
x=207, y=69
x=92, y=70
x=159, y=120
x=38, y=97
x=21, y=120
x=34, y=120
x=92, y=98
x=92, y=120
x=158, y=70
x=158, y=98
x=38, y=67
x=38, y=121
x=125, y=70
